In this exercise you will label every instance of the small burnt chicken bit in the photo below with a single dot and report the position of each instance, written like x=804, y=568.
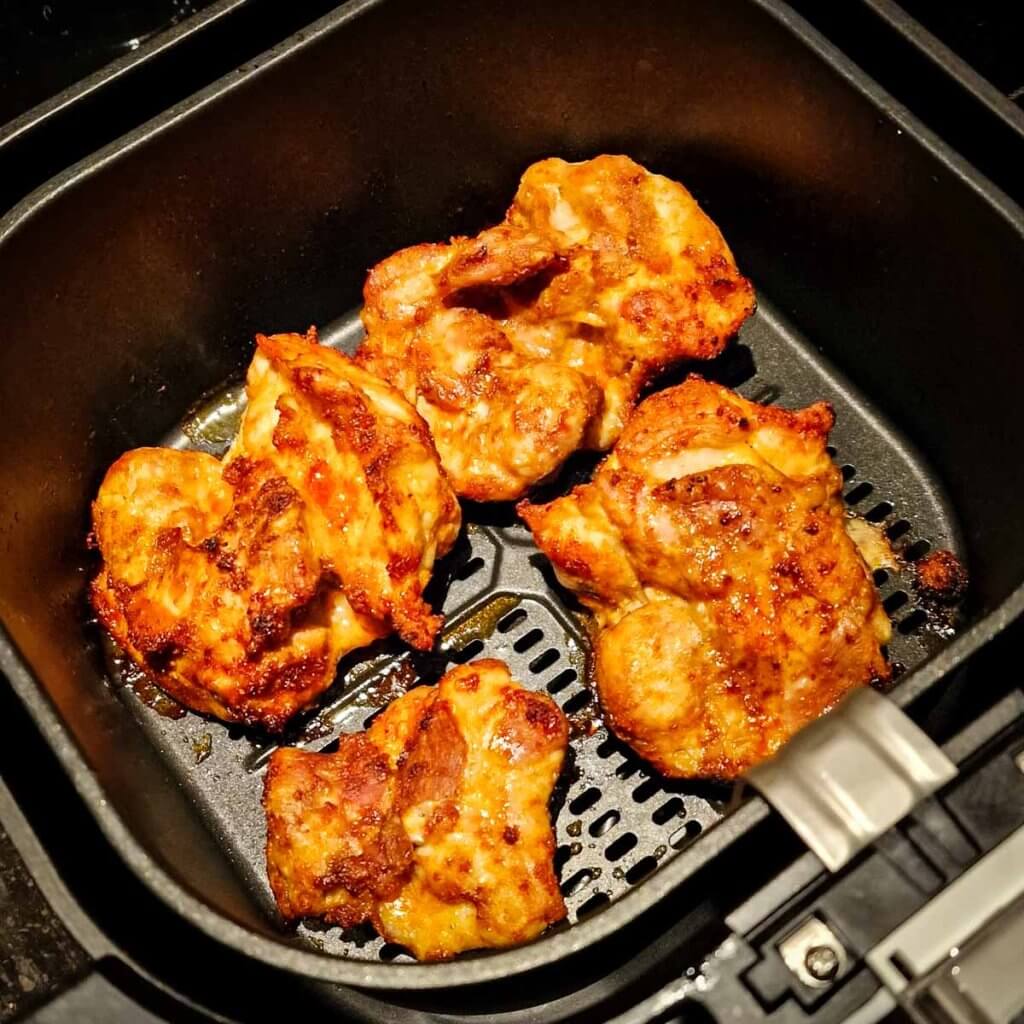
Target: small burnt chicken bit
x=534, y=338
x=433, y=824
x=940, y=577
x=238, y=585
x=731, y=606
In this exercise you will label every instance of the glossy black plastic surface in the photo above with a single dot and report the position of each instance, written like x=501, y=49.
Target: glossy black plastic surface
x=146, y=57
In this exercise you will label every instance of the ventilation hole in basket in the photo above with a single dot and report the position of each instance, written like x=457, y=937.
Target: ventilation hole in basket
x=235, y=732
x=641, y=869
x=607, y=747
x=577, y=702
x=913, y=622
x=881, y=577
x=879, y=512
x=471, y=650
x=898, y=529
x=860, y=493
x=848, y=471
x=917, y=550
x=667, y=811
x=389, y=951
x=767, y=394
x=544, y=660
x=646, y=790
x=618, y=849
x=894, y=602
x=593, y=905
x=627, y=769
x=831, y=451
x=582, y=878
x=562, y=680
x=561, y=858
x=585, y=800
x=685, y=835
x=359, y=935
x=470, y=568
x=605, y=823
x=528, y=640
x=510, y=621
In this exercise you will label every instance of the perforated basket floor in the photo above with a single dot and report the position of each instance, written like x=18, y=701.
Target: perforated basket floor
x=616, y=820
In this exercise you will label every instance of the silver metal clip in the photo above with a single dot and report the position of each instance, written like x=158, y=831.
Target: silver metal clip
x=849, y=777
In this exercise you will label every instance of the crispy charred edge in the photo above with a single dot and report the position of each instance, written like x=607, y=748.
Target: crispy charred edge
x=525, y=255
x=357, y=375
x=812, y=422
x=267, y=700
x=268, y=695
x=385, y=861
x=655, y=313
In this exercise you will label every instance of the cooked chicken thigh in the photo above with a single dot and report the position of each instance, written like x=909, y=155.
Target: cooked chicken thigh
x=731, y=607
x=433, y=824
x=533, y=339
x=238, y=585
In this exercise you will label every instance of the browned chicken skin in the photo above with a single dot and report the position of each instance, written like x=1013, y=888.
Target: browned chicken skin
x=238, y=585
x=533, y=339
x=731, y=607
x=433, y=824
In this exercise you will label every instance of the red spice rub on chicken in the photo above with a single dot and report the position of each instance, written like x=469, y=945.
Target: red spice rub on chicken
x=731, y=606
x=238, y=585
x=534, y=338
x=433, y=824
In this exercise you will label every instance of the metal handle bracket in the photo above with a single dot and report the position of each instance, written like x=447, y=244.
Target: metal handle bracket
x=849, y=777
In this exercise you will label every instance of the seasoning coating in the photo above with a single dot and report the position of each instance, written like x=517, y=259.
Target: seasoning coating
x=533, y=339
x=433, y=824
x=237, y=586
x=731, y=605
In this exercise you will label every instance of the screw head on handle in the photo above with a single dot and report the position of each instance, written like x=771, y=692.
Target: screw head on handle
x=822, y=963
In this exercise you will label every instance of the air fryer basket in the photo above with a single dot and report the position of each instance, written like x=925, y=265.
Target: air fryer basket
x=887, y=275
x=618, y=821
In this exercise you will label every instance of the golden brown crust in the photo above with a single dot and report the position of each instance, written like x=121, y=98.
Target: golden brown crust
x=237, y=586
x=533, y=339
x=732, y=607
x=433, y=824
x=367, y=858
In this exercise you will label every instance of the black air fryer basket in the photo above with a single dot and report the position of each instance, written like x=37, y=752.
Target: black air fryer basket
x=888, y=277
